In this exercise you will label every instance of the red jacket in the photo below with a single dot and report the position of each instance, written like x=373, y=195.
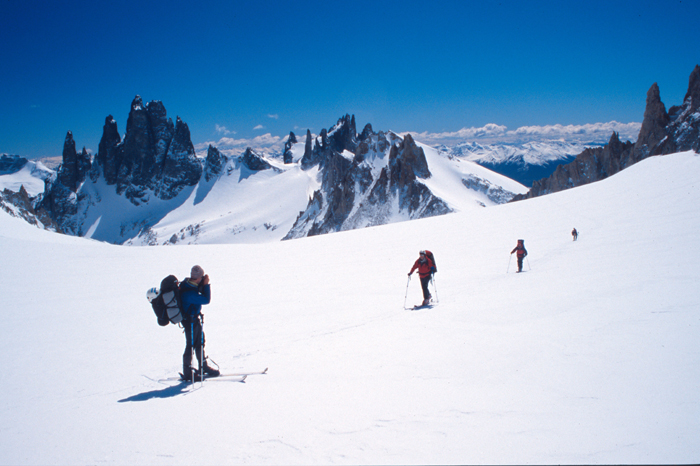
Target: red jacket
x=425, y=268
x=520, y=248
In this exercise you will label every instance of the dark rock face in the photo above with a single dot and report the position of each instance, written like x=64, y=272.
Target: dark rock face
x=684, y=126
x=661, y=133
x=19, y=204
x=108, y=156
x=181, y=166
x=253, y=161
x=75, y=167
x=287, y=156
x=155, y=156
x=350, y=196
x=214, y=164
x=10, y=164
x=653, y=129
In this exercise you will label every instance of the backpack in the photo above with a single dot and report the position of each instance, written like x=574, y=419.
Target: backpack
x=167, y=305
x=431, y=256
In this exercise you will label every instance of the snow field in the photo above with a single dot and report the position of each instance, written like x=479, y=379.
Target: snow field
x=590, y=356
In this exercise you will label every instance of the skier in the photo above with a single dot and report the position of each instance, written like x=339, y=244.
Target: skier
x=194, y=292
x=425, y=268
x=522, y=252
x=574, y=233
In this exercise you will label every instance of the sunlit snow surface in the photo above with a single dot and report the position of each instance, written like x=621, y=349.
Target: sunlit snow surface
x=590, y=356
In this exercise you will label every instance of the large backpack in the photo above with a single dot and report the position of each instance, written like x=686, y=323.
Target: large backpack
x=167, y=304
x=432, y=258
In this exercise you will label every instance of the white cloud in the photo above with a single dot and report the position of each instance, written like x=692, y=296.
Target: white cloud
x=258, y=127
x=222, y=129
x=273, y=116
x=229, y=146
x=493, y=133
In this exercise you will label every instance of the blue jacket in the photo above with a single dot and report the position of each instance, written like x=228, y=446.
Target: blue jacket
x=192, y=298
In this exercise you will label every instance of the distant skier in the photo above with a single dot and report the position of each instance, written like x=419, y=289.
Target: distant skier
x=522, y=252
x=426, y=268
x=574, y=233
x=194, y=292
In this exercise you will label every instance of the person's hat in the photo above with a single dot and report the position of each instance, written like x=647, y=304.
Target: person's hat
x=197, y=272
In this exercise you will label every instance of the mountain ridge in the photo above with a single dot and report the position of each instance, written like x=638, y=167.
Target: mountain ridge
x=661, y=133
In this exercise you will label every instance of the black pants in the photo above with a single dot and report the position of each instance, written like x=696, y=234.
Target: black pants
x=194, y=341
x=424, y=284
x=520, y=263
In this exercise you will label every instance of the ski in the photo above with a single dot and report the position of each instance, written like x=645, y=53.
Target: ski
x=226, y=378
x=223, y=377
x=430, y=305
x=239, y=374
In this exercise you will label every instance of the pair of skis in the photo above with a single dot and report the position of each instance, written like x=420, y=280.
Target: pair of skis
x=228, y=377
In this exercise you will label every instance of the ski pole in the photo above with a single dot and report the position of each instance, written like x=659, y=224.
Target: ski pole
x=511, y=258
x=201, y=349
x=191, y=348
x=406, y=297
x=432, y=279
x=528, y=263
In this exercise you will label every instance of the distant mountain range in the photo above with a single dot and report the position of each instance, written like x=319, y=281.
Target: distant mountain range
x=524, y=162
x=151, y=187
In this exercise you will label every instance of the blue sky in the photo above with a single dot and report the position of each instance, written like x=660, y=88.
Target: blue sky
x=242, y=70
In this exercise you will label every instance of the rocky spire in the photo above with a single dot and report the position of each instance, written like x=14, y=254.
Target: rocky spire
x=653, y=129
x=214, y=164
x=693, y=94
x=288, y=157
x=68, y=171
x=107, y=157
x=74, y=167
x=181, y=166
x=137, y=167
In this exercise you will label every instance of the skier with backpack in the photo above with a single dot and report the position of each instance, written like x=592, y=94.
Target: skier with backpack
x=195, y=291
x=181, y=304
x=574, y=233
x=426, y=268
x=522, y=252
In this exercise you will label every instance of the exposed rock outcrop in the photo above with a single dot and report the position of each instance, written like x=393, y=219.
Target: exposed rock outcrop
x=253, y=161
x=75, y=167
x=20, y=205
x=287, y=156
x=214, y=163
x=351, y=195
x=661, y=133
x=156, y=157
x=10, y=164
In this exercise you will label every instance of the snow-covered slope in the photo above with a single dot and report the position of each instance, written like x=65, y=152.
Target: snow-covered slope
x=590, y=356
x=31, y=176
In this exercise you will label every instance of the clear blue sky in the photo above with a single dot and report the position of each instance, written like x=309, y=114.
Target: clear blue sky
x=242, y=69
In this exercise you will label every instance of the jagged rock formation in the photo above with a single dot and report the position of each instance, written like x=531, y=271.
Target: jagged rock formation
x=214, y=163
x=287, y=156
x=253, y=161
x=661, y=133
x=75, y=166
x=19, y=204
x=354, y=192
x=156, y=157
